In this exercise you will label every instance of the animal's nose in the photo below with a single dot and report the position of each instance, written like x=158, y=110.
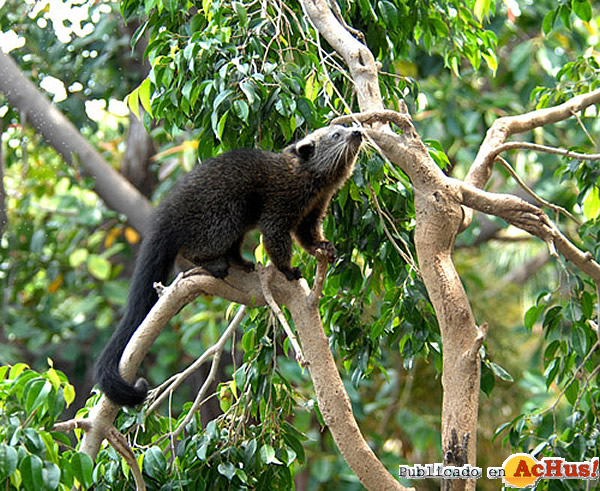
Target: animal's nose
x=357, y=133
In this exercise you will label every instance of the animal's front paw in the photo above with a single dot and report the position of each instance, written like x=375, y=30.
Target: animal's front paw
x=326, y=248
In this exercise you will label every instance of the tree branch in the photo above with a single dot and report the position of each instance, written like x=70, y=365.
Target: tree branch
x=245, y=288
x=502, y=128
x=158, y=395
x=60, y=133
x=531, y=219
x=357, y=56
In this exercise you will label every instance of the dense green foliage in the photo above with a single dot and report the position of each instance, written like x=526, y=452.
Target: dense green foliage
x=230, y=74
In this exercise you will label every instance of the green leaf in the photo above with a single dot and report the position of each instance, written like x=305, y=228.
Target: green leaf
x=532, y=315
x=572, y=392
x=241, y=13
x=155, y=463
x=248, y=341
x=221, y=125
x=551, y=371
x=99, y=267
x=548, y=21
x=133, y=102
x=267, y=455
x=17, y=369
x=51, y=476
x=491, y=61
x=171, y=5
x=241, y=110
x=501, y=372
x=482, y=8
x=591, y=204
x=149, y=5
x=587, y=305
x=31, y=472
x=249, y=90
x=582, y=9
x=389, y=13
x=226, y=94
x=144, y=95
x=8, y=461
x=78, y=257
x=83, y=467
x=487, y=380
x=36, y=394
x=565, y=15
x=226, y=469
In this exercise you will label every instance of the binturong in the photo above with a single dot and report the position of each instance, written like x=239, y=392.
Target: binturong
x=206, y=215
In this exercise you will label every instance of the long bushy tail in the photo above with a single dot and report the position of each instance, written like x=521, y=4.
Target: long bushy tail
x=153, y=264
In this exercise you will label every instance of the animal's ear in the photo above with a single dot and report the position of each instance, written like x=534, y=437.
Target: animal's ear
x=305, y=148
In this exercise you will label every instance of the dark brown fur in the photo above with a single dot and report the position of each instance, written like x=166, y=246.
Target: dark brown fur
x=210, y=210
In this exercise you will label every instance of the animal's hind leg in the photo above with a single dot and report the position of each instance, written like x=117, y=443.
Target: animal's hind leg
x=234, y=254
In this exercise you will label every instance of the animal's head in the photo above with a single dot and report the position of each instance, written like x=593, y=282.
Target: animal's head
x=330, y=150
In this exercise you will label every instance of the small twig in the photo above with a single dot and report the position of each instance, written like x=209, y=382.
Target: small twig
x=585, y=130
x=115, y=438
x=567, y=385
x=401, y=119
x=322, y=264
x=72, y=424
x=264, y=274
x=199, y=400
x=545, y=149
x=478, y=343
x=335, y=8
x=161, y=392
x=530, y=192
x=404, y=255
x=120, y=444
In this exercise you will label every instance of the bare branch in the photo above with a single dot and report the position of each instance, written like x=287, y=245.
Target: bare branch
x=120, y=444
x=502, y=128
x=357, y=56
x=265, y=275
x=158, y=395
x=545, y=149
x=531, y=219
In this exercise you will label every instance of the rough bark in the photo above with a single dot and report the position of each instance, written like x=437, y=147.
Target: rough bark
x=60, y=133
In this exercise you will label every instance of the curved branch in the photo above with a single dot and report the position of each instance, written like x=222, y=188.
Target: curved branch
x=530, y=218
x=530, y=192
x=245, y=288
x=502, y=128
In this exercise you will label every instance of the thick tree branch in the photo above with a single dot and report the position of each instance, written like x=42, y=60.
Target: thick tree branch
x=439, y=216
x=357, y=56
x=246, y=288
x=60, y=133
x=531, y=219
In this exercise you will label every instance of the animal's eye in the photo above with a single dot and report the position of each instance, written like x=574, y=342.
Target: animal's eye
x=335, y=136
